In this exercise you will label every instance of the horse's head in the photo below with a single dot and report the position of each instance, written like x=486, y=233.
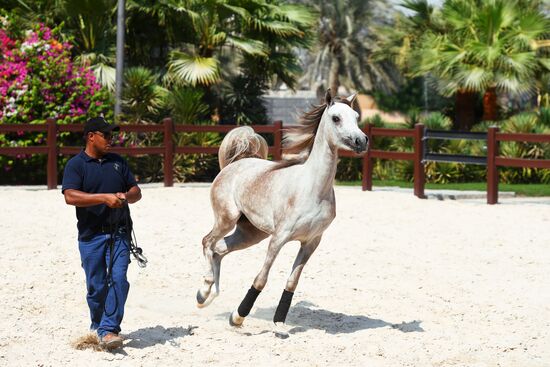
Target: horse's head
x=339, y=123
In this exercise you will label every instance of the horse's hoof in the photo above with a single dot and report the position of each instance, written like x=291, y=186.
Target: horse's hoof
x=200, y=299
x=235, y=319
x=280, y=330
x=202, y=302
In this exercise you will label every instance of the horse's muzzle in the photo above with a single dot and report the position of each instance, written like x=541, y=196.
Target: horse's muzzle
x=359, y=144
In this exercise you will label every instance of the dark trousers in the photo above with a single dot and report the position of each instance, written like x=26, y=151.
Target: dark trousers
x=105, y=299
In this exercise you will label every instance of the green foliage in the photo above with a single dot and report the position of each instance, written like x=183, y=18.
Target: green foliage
x=349, y=169
x=142, y=96
x=524, y=123
x=544, y=116
x=437, y=121
x=413, y=94
x=241, y=102
x=474, y=46
x=196, y=167
x=480, y=44
x=263, y=30
x=185, y=105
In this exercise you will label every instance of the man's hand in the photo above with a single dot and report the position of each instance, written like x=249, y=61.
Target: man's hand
x=114, y=200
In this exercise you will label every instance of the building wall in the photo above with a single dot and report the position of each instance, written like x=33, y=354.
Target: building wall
x=287, y=107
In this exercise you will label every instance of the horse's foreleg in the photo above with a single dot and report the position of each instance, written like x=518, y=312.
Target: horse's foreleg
x=237, y=317
x=306, y=250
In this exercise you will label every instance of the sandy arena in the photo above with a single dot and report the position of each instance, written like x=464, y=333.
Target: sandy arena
x=396, y=281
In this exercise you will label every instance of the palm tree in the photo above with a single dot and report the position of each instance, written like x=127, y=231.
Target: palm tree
x=348, y=47
x=482, y=46
x=233, y=27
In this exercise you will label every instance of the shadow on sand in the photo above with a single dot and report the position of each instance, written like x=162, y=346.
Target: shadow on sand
x=150, y=336
x=305, y=316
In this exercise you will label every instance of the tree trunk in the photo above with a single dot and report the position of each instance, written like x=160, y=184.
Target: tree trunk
x=490, y=106
x=334, y=81
x=465, y=110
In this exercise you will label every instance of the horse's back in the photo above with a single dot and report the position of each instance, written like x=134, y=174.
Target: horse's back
x=239, y=174
x=243, y=170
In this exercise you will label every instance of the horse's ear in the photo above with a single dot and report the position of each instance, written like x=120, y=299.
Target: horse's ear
x=351, y=99
x=328, y=98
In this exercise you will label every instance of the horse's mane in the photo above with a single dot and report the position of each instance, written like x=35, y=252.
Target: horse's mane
x=298, y=140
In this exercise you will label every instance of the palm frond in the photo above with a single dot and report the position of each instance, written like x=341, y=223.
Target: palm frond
x=193, y=70
x=297, y=14
x=248, y=46
x=276, y=27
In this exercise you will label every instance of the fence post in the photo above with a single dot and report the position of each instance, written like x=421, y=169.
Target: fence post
x=51, y=140
x=367, y=161
x=168, y=152
x=419, y=174
x=492, y=170
x=278, y=140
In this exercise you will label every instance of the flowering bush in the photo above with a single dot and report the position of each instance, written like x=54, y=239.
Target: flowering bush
x=38, y=80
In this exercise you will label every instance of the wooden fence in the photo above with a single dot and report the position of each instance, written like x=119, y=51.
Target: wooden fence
x=494, y=160
x=416, y=155
x=168, y=149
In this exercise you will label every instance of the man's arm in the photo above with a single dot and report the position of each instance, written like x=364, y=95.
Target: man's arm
x=84, y=199
x=132, y=195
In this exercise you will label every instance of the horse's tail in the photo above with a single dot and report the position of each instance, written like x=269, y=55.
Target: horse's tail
x=241, y=142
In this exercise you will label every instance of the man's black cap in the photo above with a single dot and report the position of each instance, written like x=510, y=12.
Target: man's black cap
x=99, y=124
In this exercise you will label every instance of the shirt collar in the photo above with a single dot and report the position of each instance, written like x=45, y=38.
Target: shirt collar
x=87, y=158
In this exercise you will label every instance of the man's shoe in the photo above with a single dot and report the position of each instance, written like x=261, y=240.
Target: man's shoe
x=110, y=341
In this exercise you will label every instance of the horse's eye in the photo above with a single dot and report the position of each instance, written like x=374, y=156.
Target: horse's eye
x=335, y=119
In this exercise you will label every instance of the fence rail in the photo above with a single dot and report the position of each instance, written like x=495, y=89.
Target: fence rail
x=415, y=156
x=452, y=158
x=418, y=155
x=494, y=160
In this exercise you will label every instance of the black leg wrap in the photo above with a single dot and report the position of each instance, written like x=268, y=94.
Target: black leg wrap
x=248, y=302
x=283, y=307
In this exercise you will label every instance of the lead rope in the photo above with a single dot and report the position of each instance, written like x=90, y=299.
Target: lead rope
x=136, y=251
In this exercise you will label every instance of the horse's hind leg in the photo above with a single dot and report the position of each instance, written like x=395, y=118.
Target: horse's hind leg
x=237, y=317
x=306, y=250
x=224, y=222
x=245, y=235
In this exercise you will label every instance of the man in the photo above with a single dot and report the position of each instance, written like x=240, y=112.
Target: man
x=99, y=184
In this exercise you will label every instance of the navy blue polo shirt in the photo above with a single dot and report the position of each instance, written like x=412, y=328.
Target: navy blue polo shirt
x=109, y=174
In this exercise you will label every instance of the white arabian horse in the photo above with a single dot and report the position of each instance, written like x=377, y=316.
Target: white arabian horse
x=290, y=200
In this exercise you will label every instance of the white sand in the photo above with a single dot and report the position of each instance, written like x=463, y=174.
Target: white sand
x=396, y=281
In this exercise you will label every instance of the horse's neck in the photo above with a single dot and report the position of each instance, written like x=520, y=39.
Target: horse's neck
x=321, y=165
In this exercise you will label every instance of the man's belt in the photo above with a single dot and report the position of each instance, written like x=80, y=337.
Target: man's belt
x=107, y=228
